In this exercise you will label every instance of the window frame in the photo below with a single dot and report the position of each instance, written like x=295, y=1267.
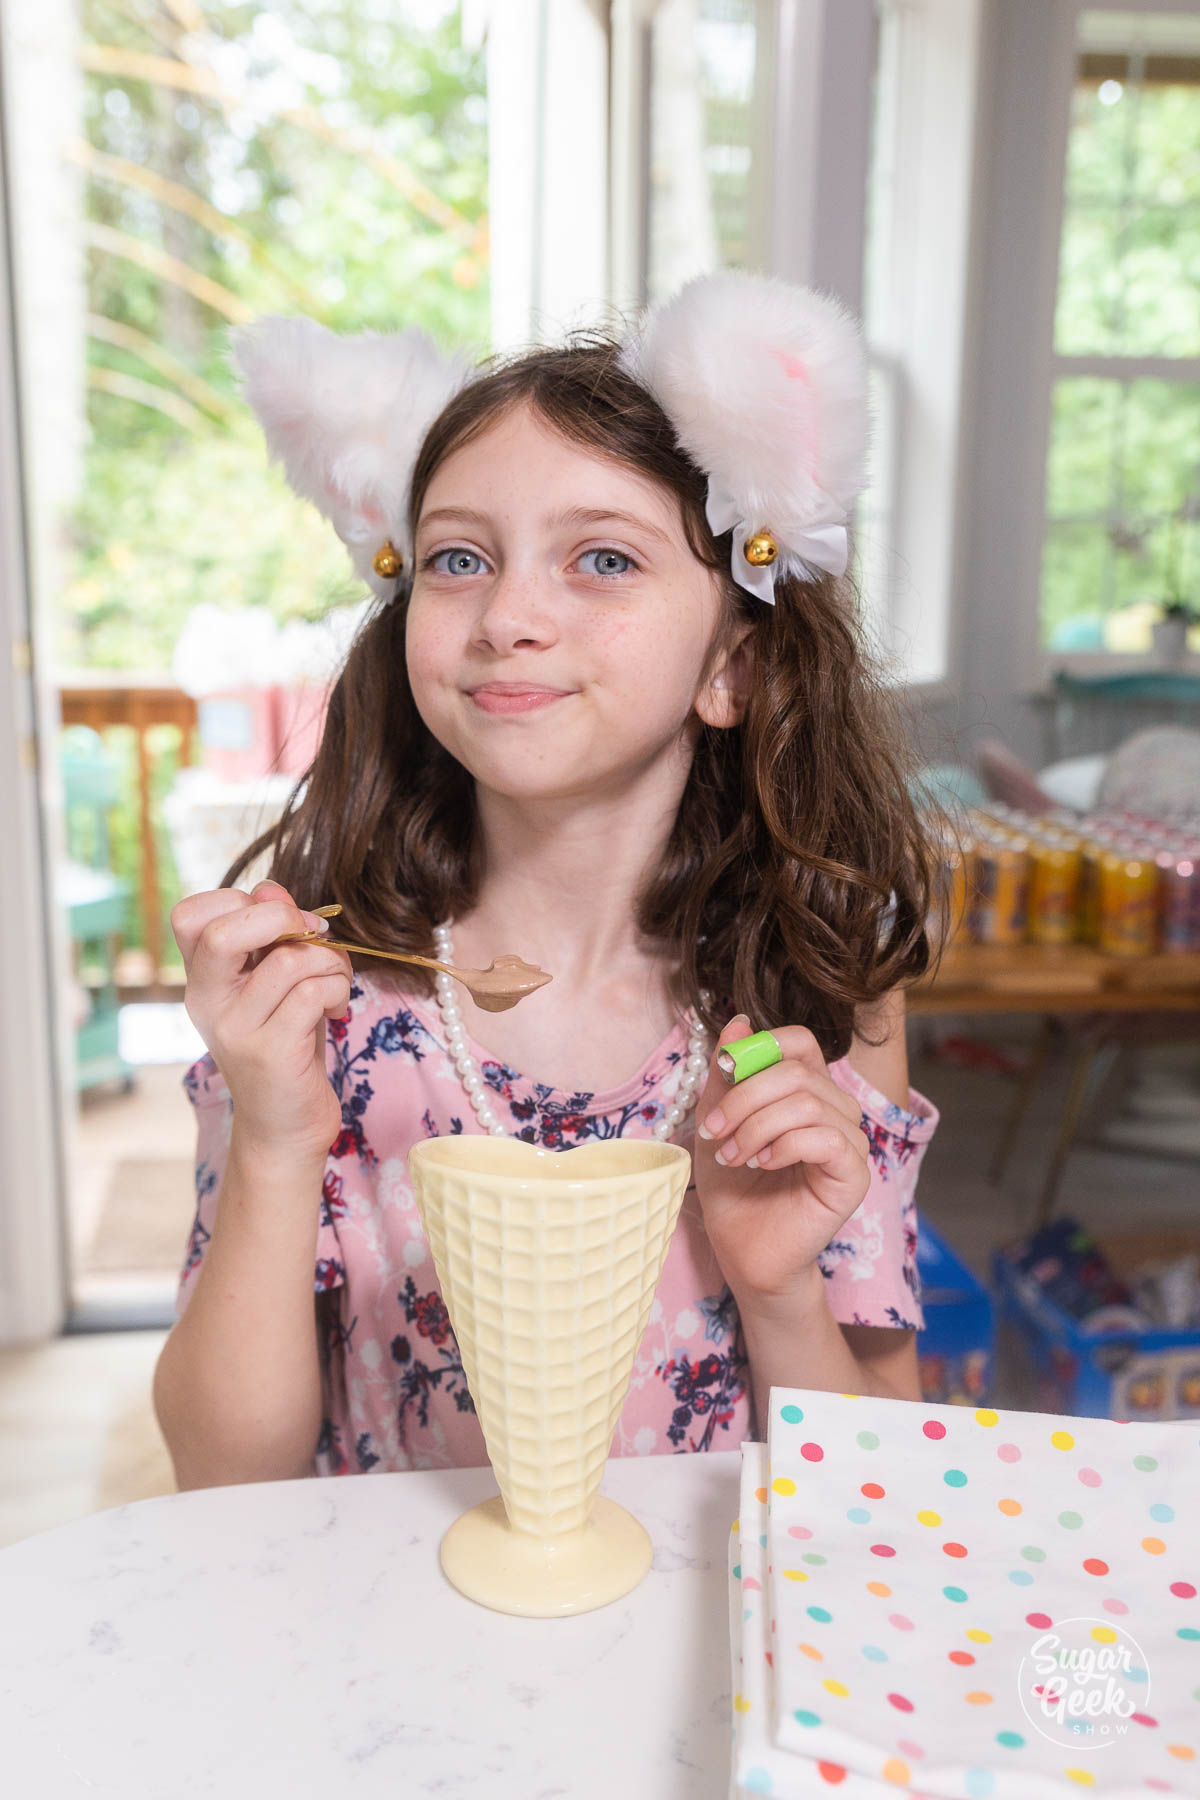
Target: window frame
x=818, y=108
x=631, y=24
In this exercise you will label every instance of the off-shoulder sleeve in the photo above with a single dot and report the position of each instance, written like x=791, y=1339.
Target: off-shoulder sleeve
x=205, y=1087
x=870, y=1267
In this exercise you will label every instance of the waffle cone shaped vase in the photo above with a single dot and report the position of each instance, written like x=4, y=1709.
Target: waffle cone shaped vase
x=548, y=1261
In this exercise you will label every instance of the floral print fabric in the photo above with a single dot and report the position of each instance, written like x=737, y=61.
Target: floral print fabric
x=395, y=1396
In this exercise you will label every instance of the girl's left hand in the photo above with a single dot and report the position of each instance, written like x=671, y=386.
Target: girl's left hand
x=766, y=1224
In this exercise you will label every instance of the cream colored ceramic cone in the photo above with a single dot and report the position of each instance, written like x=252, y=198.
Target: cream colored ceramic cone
x=548, y=1262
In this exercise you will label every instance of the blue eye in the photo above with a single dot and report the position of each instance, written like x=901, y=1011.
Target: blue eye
x=611, y=565
x=460, y=562
x=607, y=557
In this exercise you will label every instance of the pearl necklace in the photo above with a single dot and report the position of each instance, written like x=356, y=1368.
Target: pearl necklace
x=695, y=1066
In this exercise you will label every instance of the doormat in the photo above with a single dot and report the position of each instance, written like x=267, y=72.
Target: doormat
x=146, y=1217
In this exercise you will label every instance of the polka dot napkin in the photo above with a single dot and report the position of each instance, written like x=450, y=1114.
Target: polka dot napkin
x=935, y=1601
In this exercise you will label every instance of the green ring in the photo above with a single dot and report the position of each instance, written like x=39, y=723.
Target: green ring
x=750, y=1054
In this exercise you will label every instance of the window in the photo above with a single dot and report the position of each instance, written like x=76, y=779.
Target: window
x=690, y=141
x=1122, y=499
x=706, y=150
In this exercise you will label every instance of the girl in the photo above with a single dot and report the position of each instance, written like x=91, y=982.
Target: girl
x=610, y=712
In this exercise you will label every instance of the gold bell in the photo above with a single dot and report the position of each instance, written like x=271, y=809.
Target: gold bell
x=387, y=562
x=761, y=549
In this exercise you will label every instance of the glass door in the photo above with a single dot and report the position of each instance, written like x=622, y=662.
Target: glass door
x=177, y=168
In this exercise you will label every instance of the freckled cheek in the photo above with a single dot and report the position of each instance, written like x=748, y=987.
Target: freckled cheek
x=431, y=652
x=649, y=662
x=620, y=639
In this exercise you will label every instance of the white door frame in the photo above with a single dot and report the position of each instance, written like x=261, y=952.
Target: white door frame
x=34, y=1279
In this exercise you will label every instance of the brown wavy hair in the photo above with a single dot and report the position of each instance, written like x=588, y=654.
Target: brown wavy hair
x=798, y=881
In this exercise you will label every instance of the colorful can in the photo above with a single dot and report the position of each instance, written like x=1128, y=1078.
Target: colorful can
x=1128, y=902
x=1054, y=891
x=951, y=883
x=1088, y=897
x=1179, y=899
x=1000, y=892
x=1063, y=818
x=955, y=874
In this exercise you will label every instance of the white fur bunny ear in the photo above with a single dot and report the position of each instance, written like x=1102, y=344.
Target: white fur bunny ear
x=766, y=386
x=346, y=417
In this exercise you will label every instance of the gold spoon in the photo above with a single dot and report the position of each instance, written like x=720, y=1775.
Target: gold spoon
x=496, y=989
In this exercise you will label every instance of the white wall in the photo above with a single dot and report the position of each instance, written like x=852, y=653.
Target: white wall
x=1027, y=68
x=547, y=80
x=826, y=51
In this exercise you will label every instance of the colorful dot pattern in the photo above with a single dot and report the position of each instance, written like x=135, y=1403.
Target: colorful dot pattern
x=893, y=1564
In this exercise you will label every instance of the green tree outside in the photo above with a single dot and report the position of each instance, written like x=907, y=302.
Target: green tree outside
x=295, y=156
x=1123, y=476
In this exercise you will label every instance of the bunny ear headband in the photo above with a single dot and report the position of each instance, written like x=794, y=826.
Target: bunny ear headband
x=764, y=383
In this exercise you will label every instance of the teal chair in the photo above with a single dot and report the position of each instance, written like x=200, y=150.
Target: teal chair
x=95, y=900
x=947, y=785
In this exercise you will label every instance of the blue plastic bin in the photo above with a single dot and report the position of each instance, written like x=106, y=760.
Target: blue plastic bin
x=956, y=1350
x=1124, y=1374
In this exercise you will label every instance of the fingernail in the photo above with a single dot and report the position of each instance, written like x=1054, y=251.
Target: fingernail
x=726, y=1153
x=314, y=923
x=713, y=1124
x=752, y=1162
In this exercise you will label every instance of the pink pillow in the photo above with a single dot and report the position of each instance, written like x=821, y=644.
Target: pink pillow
x=1007, y=778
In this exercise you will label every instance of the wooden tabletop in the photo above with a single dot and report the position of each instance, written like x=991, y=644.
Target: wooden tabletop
x=1057, y=978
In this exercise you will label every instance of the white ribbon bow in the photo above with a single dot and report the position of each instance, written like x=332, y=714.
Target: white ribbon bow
x=819, y=547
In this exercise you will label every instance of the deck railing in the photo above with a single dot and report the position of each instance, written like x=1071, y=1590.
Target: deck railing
x=104, y=698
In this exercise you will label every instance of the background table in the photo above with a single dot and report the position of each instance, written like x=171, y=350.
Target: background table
x=1094, y=1003
x=299, y=1638
x=1043, y=978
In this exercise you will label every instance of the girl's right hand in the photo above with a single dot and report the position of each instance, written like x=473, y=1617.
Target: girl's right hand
x=262, y=1013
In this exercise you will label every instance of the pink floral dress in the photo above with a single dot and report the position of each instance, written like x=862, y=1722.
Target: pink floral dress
x=395, y=1396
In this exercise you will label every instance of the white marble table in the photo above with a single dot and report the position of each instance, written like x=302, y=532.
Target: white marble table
x=299, y=1638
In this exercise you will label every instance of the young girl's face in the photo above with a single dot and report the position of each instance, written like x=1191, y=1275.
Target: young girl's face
x=559, y=623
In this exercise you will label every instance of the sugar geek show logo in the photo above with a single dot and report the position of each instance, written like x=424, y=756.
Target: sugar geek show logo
x=1082, y=1682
